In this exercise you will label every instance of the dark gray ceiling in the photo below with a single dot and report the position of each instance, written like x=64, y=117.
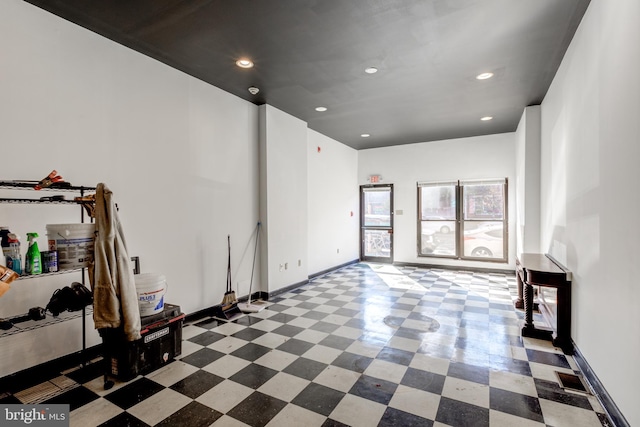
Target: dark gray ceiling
x=311, y=53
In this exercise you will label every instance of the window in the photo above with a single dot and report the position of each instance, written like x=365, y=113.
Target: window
x=438, y=217
x=463, y=219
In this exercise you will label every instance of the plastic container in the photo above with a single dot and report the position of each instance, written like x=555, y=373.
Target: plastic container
x=49, y=261
x=14, y=259
x=4, y=236
x=151, y=288
x=32, y=262
x=74, y=244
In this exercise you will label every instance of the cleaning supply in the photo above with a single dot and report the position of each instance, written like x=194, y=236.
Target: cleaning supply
x=4, y=236
x=14, y=259
x=49, y=261
x=32, y=258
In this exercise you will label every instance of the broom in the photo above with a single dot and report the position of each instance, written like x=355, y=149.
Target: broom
x=248, y=307
x=230, y=295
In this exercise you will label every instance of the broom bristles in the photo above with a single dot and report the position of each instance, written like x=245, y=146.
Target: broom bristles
x=229, y=298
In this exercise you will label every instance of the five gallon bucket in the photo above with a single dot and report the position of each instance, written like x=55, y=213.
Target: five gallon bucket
x=74, y=243
x=151, y=288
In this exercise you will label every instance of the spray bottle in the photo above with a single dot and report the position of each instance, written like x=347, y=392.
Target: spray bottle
x=32, y=263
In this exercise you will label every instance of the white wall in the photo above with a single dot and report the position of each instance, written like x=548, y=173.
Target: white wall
x=283, y=197
x=527, y=191
x=467, y=158
x=332, y=182
x=180, y=155
x=590, y=203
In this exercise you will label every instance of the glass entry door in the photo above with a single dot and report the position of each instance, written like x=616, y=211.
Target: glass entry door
x=376, y=223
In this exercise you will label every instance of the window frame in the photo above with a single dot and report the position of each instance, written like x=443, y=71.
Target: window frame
x=461, y=221
x=421, y=220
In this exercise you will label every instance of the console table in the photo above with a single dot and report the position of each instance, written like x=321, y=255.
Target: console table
x=543, y=271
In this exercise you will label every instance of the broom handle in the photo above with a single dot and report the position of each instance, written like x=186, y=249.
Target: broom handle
x=229, y=264
x=253, y=265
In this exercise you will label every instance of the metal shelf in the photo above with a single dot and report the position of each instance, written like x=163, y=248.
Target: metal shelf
x=50, y=320
x=39, y=202
x=29, y=186
x=55, y=273
x=30, y=325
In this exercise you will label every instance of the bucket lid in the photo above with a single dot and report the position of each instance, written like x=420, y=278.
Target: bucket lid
x=77, y=226
x=145, y=279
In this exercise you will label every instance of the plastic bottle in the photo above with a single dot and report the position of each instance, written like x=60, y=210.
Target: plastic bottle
x=14, y=259
x=4, y=234
x=32, y=258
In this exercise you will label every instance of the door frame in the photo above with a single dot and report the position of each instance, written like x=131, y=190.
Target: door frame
x=363, y=228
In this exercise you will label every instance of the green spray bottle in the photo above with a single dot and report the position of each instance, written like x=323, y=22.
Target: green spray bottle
x=32, y=259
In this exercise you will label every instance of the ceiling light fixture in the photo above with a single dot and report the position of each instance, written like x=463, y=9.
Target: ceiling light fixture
x=253, y=90
x=244, y=63
x=321, y=109
x=365, y=135
x=484, y=76
x=486, y=118
x=371, y=70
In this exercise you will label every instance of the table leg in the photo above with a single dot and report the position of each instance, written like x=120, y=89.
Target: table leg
x=520, y=301
x=529, y=329
x=563, y=335
x=528, y=306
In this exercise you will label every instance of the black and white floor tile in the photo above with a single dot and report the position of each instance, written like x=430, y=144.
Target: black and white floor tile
x=367, y=345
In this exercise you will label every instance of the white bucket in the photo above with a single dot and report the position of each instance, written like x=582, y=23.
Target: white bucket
x=74, y=243
x=151, y=288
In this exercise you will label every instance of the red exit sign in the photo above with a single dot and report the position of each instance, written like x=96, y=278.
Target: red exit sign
x=374, y=179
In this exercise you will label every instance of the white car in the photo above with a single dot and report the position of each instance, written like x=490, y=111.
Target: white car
x=486, y=241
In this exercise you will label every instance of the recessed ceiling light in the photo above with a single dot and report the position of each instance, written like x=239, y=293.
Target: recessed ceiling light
x=365, y=135
x=484, y=76
x=371, y=70
x=486, y=118
x=253, y=90
x=244, y=63
x=321, y=109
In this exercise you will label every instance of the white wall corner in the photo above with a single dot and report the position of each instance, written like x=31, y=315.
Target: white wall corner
x=528, y=181
x=283, y=143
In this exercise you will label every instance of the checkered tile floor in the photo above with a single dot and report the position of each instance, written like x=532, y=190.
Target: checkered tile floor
x=368, y=345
